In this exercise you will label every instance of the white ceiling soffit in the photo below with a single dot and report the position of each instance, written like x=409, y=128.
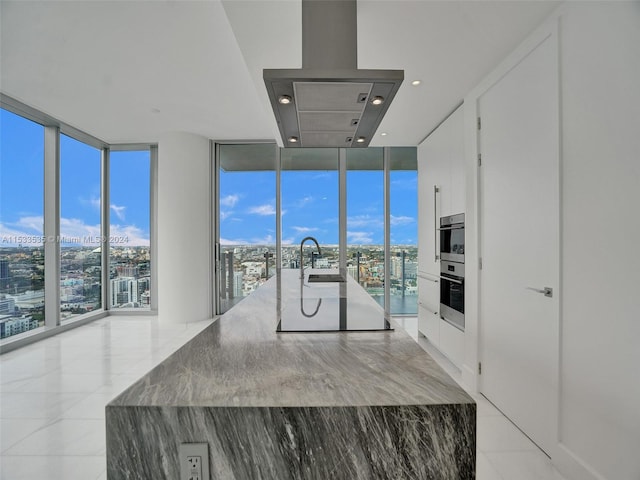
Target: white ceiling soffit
x=449, y=45
x=129, y=71
x=269, y=35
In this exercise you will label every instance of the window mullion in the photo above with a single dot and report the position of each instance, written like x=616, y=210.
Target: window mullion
x=387, y=231
x=52, y=226
x=105, y=222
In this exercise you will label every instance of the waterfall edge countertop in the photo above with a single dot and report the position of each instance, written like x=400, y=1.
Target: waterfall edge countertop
x=241, y=361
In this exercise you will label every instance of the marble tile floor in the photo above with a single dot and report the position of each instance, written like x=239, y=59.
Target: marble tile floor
x=53, y=394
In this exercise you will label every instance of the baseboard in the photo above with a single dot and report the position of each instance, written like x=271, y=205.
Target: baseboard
x=572, y=467
x=469, y=378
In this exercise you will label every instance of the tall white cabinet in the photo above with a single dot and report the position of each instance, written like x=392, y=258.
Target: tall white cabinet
x=441, y=192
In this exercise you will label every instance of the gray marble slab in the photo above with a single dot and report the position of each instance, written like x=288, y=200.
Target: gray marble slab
x=294, y=405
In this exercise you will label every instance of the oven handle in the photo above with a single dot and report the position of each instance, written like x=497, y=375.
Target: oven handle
x=459, y=227
x=449, y=279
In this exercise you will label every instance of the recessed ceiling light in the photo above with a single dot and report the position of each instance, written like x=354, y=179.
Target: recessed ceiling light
x=284, y=99
x=360, y=140
x=293, y=139
x=415, y=83
x=377, y=100
x=384, y=134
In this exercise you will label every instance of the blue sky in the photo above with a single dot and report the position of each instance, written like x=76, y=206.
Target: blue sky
x=310, y=207
x=21, y=187
x=247, y=199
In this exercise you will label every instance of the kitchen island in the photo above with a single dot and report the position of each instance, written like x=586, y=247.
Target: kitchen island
x=274, y=405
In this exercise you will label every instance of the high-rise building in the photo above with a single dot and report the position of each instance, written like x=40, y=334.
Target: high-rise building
x=123, y=290
x=7, y=305
x=4, y=272
x=238, y=280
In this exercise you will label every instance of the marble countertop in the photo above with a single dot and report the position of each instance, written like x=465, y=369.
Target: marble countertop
x=241, y=361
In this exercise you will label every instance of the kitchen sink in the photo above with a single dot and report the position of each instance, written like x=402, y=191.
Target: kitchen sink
x=326, y=277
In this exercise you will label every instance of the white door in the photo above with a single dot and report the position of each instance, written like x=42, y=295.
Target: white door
x=519, y=243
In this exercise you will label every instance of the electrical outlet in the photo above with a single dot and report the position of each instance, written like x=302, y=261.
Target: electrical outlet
x=194, y=461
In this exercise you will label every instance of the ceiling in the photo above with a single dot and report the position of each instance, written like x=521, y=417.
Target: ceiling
x=128, y=71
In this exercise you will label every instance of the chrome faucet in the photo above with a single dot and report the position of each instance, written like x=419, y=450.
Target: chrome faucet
x=301, y=262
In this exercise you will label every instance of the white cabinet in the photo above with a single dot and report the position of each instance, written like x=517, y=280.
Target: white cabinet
x=429, y=307
x=441, y=165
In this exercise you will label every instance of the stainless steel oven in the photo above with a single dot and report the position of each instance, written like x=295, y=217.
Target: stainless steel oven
x=452, y=238
x=452, y=293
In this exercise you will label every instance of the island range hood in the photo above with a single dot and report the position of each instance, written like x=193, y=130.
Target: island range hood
x=329, y=102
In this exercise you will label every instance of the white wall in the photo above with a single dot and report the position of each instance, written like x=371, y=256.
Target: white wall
x=599, y=398
x=600, y=322
x=184, y=228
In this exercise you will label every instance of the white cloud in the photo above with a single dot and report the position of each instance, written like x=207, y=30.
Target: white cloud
x=74, y=228
x=263, y=210
x=28, y=231
x=11, y=236
x=303, y=201
x=359, y=237
x=119, y=211
x=95, y=202
x=237, y=241
x=360, y=221
x=401, y=220
x=304, y=229
x=130, y=235
x=34, y=223
x=406, y=184
x=229, y=200
x=267, y=240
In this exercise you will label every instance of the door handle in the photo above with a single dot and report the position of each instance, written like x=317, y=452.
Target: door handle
x=547, y=291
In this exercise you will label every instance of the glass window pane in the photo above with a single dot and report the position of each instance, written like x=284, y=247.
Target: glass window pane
x=404, y=230
x=247, y=216
x=21, y=224
x=365, y=219
x=80, y=228
x=310, y=207
x=129, y=252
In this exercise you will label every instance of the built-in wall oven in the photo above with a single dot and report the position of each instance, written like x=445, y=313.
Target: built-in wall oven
x=452, y=238
x=452, y=293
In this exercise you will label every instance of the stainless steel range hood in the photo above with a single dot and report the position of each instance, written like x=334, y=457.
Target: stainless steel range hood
x=329, y=102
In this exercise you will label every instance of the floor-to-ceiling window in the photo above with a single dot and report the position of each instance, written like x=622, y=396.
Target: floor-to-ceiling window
x=308, y=182
x=55, y=181
x=310, y=206
x=246, y=220
x=129, y=229
x=365, y=219
x=80, y=228
x=404, y=231
x=21, y=224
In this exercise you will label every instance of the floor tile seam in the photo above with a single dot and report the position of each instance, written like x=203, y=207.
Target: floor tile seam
x=74, y=392
x=512, y=450
x=55, y=456
x=47, y=424
x=56, y=417
x=491, y=464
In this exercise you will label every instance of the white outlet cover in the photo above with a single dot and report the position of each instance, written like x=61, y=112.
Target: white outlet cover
x=193, y=450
